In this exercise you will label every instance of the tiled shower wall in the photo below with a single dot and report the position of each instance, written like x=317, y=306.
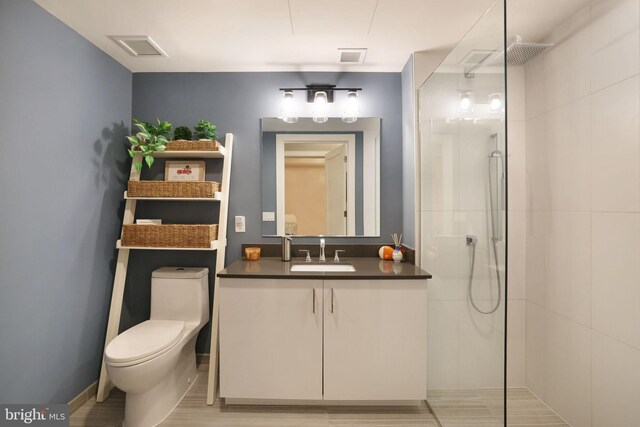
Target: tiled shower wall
x=583, y=217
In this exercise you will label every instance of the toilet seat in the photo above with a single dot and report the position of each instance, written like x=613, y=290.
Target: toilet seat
x=143, y=342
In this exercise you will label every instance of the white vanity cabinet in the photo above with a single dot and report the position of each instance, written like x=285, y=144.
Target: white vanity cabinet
x=271, y=339
x=375, y=339
x=331, y=340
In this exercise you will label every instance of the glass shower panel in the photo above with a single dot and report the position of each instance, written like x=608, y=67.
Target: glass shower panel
x=463, y=217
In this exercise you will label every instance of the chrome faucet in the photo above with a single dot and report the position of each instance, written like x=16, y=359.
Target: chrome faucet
x=322, y=258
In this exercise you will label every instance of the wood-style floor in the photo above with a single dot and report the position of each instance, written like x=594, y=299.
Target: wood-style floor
x=454, y=408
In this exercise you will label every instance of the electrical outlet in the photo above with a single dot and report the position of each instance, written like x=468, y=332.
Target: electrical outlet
x=268, y=216
x=240, y=228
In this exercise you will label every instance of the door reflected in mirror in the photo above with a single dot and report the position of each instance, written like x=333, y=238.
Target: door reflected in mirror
x=320, y=179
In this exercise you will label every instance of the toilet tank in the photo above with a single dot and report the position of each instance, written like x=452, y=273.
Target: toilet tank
x=180, y=293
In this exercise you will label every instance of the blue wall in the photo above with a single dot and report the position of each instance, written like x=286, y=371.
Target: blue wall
x=236, y=102
x=65, y=109
x=408, y=144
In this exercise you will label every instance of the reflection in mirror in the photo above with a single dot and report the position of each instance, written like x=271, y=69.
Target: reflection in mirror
x=320, y=179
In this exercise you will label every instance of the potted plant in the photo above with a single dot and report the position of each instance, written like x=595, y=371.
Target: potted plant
x=182, y=133
x=149, y=140
x=205, y=130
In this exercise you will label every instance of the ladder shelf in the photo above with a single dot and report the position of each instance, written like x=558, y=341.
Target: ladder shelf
x=219, y=246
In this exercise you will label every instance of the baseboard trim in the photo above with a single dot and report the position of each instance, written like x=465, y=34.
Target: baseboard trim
x=83, y=397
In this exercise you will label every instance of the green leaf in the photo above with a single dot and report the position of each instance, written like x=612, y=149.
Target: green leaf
x=138, y=166
x=149, y=160
x=132, y=153
x=133, y=140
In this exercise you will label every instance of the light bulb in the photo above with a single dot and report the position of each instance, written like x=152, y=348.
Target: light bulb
x=466, y=103
x=351, y=112
x=288, y=113
x=320, y=107
x=495, y=102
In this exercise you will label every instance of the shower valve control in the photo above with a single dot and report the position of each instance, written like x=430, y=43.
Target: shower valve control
x=471, y=240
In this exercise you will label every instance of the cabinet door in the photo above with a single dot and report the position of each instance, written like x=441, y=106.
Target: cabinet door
x=375, y=340
x=271, y=339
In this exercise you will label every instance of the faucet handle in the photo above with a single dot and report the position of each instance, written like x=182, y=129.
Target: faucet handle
x=308, y=258
x=336, y=258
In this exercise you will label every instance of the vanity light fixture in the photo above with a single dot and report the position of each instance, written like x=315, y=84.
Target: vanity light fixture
x=466, y=102
x=288, y=114
x=351, y=112
x=321, y=95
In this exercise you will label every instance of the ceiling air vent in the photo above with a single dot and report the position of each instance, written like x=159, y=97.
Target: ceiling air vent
x=352, y=56
x=138, y=45
x=476, y=57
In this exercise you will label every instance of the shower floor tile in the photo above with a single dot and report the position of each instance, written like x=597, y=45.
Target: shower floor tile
x=466, y=408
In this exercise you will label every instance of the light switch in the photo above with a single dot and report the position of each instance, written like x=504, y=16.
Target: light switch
x=240, y=224
x=268, y=216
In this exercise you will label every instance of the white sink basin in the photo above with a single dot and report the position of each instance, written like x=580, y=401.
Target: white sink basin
x=320, y=268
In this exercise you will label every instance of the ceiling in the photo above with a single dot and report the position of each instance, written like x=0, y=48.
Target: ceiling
x=291, y=35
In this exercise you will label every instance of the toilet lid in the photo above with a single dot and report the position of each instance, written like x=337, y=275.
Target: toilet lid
x=144, y=340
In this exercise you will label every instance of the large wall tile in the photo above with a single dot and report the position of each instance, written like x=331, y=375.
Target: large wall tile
x=516, y=344
x=615, y=148
x=615, y=41
x=537, y=169
x=566, y=64
x=615, y=276
x=481, y=348
x=567, y=157
x=535, y=349
x=567, y=259
x=568, y=369
x=517, y=261
x=516, y=101
x=615, y=379
x=535, y=102
x=516, y=166
x=443, y=344
x=536, y=267
x=439, y=165
x=441, y=255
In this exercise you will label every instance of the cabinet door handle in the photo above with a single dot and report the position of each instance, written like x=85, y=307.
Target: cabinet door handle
x=314, y=301
x=332, y=298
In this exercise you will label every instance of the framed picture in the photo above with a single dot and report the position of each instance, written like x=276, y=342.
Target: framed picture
x=184, y=170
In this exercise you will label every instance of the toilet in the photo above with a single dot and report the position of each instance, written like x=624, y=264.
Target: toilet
x=154, y=362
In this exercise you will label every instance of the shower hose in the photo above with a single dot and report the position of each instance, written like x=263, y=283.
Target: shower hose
x=472, y=241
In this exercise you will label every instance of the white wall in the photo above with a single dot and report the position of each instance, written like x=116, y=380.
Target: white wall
x=583, y=217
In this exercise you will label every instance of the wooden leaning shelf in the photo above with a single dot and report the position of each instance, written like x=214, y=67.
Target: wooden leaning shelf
x=211, y=237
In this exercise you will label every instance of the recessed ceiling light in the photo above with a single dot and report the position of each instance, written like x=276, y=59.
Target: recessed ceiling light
x=351, y=55
x=138, y=45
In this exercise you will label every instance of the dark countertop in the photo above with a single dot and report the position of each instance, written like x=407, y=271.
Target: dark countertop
x=366, y=269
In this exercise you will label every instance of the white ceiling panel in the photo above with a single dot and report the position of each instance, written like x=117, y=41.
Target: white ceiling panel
x=291, y=35
x=332, y=16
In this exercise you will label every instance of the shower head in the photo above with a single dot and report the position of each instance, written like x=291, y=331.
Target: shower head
x=519, y=52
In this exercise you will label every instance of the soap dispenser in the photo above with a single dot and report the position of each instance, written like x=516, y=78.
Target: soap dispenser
x=286, y=248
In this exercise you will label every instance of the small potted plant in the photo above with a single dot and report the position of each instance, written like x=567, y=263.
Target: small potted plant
x=149, y=140
x=182, y=133
x=205, y=130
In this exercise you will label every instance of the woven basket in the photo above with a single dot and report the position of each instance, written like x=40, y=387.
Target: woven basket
x=169, y=235
x=186, y=189
x=186, y=145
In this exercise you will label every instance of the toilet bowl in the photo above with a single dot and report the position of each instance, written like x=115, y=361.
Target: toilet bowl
x=154, y=362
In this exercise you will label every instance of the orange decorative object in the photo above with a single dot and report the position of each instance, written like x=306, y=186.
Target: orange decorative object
x=253, y=254
x=386, y=252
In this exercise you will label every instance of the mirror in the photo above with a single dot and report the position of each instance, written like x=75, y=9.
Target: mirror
x=321, y=178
